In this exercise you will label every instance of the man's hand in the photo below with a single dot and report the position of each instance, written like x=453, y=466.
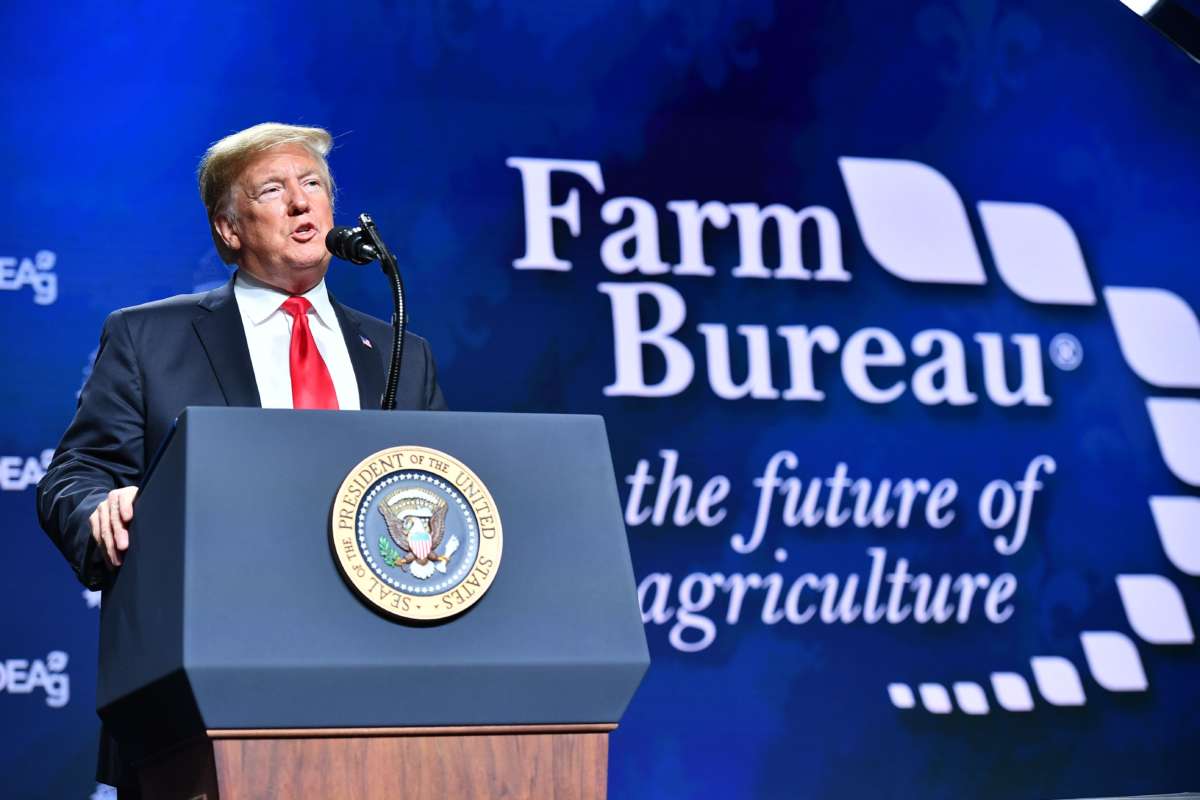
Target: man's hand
x=110, y=524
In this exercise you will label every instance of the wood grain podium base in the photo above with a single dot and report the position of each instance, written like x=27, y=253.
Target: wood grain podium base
x=562, y=762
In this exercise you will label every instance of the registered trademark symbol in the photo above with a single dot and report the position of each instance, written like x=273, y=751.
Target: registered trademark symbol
x=1066, y=352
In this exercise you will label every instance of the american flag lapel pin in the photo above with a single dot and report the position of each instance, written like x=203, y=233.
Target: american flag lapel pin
x=366, y=342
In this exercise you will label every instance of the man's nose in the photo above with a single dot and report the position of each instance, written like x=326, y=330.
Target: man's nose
x=297, y=198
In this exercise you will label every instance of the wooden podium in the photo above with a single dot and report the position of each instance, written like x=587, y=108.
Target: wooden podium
x=565, y=762
x=236, y=663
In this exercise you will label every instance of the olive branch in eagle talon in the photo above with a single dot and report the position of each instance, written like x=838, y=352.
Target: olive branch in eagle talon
x=416, y=522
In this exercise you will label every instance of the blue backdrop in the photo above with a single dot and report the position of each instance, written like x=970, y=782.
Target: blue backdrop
x=945, y=244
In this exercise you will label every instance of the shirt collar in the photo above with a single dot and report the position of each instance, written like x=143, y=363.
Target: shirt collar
x=258, y=301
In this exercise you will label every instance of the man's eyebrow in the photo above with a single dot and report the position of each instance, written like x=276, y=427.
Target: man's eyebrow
x=279, y=178
x=272, y=178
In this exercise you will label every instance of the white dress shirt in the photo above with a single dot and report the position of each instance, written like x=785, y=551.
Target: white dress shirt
x=269, y=335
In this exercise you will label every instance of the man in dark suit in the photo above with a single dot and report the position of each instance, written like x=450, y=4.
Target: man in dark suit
x=272, y=337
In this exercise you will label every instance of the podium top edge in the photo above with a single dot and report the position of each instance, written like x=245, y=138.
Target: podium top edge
x=429, y=730
x=194, y=411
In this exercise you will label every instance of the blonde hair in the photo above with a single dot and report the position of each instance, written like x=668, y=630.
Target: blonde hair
x=224, y=161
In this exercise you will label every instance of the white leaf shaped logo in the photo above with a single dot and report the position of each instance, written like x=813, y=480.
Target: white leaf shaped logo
x=1155, y=609
x=912, y=221
x=935, y=697
x=1037, y=254
x=1114, y=661
x=901, y=695
x=1159, y=335
x=1176, y=422
x=1178, y=523
x=1012, y=691
x=1058, y=680
x=971, y=698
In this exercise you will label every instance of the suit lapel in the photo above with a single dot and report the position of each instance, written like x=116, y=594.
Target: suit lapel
x=368, y=364
x=224, y=339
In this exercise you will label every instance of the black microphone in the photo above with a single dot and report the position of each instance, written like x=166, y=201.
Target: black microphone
x=351, y=244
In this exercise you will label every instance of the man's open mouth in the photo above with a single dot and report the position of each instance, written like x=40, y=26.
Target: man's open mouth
x=305, y=232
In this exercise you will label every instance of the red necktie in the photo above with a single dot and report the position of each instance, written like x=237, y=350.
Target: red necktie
x=312, y=387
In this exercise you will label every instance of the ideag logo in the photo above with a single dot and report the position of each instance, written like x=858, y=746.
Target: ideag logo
x=36, y=273
x=21, y=676
x=18, y=473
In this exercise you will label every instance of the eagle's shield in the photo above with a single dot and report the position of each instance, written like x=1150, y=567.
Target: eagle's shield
x=420, y=542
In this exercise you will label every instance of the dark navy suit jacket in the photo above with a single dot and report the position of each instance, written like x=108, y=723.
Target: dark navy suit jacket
x=154, y=360
x=158, y=358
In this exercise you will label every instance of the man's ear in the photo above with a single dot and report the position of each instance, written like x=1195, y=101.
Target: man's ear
x=228, y=232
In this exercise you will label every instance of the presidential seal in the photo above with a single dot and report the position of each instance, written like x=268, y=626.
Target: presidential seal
x=416, y=533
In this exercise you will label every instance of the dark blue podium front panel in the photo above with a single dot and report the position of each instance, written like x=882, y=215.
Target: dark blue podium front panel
x=230, y=592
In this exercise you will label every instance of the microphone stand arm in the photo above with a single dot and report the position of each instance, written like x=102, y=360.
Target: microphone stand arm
x=399, y=320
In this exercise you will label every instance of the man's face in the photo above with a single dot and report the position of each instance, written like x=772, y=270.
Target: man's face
x=283, y=213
